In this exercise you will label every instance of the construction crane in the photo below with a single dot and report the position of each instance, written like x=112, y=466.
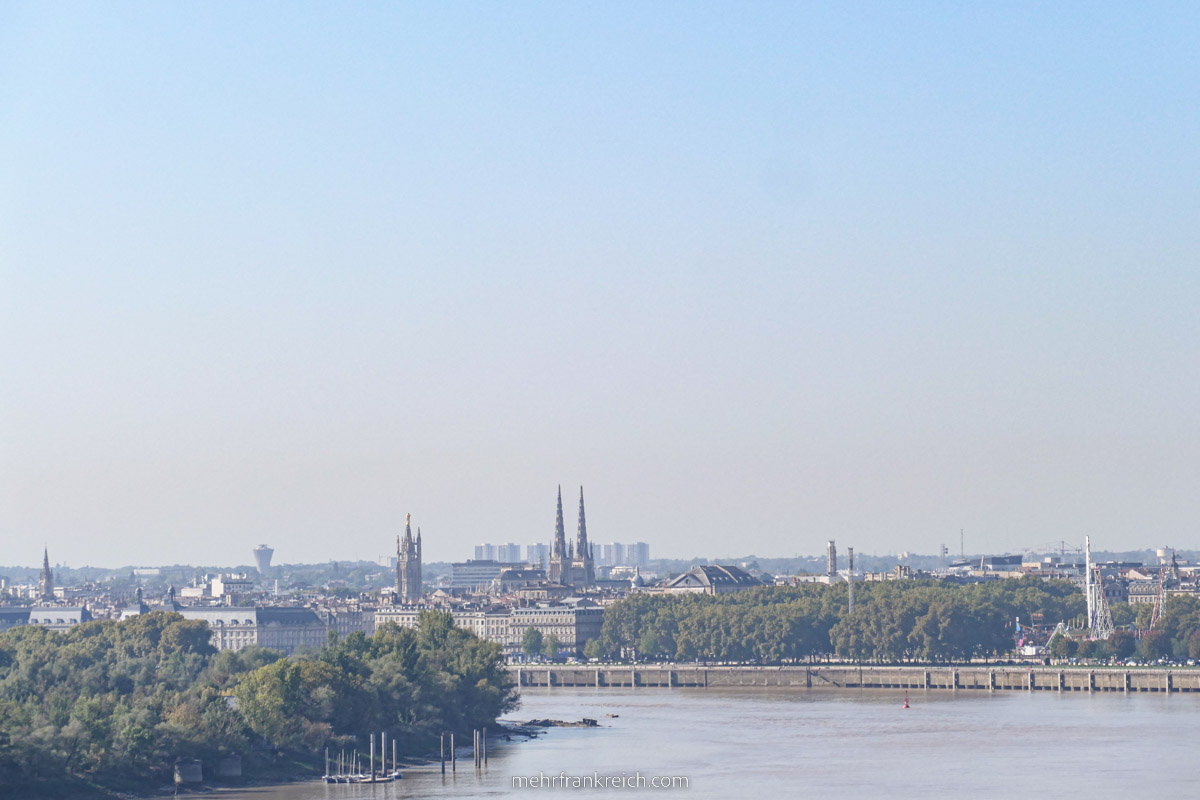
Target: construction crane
x=1061, y=547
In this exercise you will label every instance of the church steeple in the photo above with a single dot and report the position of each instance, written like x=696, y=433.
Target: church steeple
x=560, y=562
x=408, y=565
x=583, y=550
x=571, y=562
x=582, y=540
x=47, y=577
x=560, y=530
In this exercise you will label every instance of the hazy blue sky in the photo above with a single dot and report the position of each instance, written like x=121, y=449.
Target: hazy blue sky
x=756, y=275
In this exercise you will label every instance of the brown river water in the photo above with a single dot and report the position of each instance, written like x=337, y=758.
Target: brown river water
x=734, y=743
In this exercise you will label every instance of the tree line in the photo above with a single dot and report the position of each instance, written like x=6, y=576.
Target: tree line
x=892, y=621
x=115, y=704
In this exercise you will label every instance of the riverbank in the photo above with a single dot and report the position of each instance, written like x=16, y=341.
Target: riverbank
x=287, y=769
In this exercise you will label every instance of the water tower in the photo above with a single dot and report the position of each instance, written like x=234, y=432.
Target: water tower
x=262, y=557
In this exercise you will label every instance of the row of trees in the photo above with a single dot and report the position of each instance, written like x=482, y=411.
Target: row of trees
x=116, y=703
x=534, y=644
x=891, y=621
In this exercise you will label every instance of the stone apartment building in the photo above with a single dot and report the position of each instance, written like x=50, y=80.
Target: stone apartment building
x=573, y=623
x=289, y=630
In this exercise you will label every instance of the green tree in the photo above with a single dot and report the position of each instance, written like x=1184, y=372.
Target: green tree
x=1121, y=645
x=112, y=702
x=551, y=646
x=593, y=649
x=270, y=698
x=1061, y=646
x=1155, y=645
x=648, y=643
x=531, y=642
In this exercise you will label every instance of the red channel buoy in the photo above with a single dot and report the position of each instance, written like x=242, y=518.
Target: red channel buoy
x=906, y=699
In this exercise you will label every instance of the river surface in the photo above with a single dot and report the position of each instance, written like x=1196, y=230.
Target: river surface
x=735, y=743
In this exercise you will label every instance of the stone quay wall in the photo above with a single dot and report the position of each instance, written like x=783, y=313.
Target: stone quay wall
x=961, y=678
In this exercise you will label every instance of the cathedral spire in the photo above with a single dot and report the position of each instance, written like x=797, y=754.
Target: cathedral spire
x=560, y=530
x=582, y=546
x=583, y=550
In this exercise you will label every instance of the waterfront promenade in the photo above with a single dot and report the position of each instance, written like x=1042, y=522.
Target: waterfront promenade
x=974, y=678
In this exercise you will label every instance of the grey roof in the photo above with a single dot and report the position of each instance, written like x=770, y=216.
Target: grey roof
x=518, y=573
x=715, y=575
x=271, y=615
x=54, y=615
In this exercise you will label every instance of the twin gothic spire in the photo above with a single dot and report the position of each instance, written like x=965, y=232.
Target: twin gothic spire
x=560, y=547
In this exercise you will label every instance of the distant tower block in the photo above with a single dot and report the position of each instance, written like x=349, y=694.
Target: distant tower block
x=850, y=558
x=262, y=557
x=832, y=569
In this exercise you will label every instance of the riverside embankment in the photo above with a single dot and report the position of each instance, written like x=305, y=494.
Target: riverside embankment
x=961, y=678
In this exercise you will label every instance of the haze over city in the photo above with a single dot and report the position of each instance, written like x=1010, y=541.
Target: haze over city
x=754, y=276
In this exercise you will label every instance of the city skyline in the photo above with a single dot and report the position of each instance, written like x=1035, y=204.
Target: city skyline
x=771, y=274
x=1071, y=551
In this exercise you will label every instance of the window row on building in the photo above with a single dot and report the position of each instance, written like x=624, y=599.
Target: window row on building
x=573, y=625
